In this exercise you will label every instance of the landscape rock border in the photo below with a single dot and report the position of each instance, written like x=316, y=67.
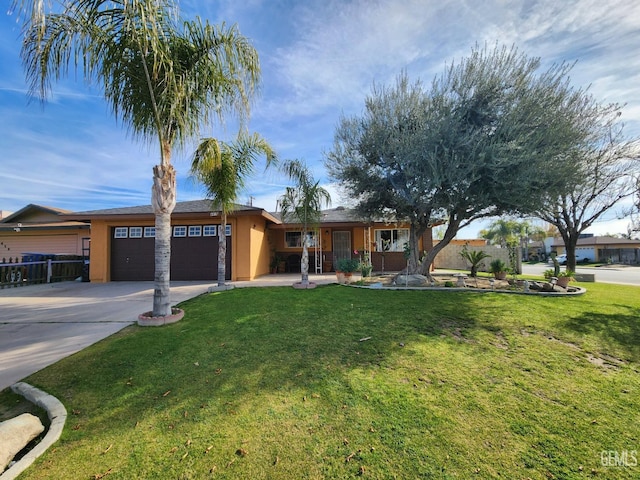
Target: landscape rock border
x=146, y=320
x=578, y=290
x=500, y=287
x=301, y=286
x=57, y=416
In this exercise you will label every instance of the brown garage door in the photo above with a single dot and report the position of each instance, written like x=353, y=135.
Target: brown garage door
x=192, y=258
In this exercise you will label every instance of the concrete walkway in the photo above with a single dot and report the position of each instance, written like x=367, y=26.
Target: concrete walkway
x=41, y=324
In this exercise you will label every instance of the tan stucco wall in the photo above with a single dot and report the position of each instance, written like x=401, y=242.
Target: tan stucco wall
x=449, y=257
x=251, y=248
x=249, y=255
x=99, y=255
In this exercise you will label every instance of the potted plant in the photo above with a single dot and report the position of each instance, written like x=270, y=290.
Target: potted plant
x=498, y=268
x=564, y=278
x=365, y=262
x=346, y=267
x=275, y=262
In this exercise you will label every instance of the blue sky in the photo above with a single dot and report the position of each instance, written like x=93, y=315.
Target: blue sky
x=319, y=60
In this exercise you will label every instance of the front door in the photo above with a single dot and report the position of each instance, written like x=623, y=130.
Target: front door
x=341, y=246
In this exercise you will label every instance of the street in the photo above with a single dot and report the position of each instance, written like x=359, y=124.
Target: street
x=622, y=274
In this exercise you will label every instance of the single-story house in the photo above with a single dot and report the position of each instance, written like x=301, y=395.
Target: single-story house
x=122, y=242
x=340, y=235
x=40, y=229
x=603, y=249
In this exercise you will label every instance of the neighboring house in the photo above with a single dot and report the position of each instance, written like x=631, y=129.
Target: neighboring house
x=122, y=242
x=603, y=249
x=40, y=229
x=340, y=234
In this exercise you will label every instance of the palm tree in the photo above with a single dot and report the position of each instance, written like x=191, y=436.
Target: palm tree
x=163, y=79
x=303, y=204
x=222, y=168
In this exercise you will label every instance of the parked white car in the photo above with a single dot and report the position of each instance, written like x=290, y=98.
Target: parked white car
x=562, y=259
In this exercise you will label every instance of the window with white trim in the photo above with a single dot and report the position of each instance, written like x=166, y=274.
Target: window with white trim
x=227, y=230
x=195, y=231
x=135, y=232
x=391, y=240
x=179, y=231
x=149, y=232
x=294, y=239
x=209, y=231
x=120, y=232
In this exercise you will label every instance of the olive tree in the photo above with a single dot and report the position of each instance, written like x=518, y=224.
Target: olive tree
x=488, y=137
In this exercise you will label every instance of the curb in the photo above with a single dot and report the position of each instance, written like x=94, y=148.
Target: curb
x=57, y=415
x=221, y=288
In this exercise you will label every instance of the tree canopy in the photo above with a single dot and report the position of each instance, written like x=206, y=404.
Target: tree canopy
x=223, y=168
x=162, y=77
x=608, y=166
x=489, y=136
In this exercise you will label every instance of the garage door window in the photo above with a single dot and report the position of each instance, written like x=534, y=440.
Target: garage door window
x=179, y=231
x=120, y=232
x=209, y=231
x=135, y=232
x=149, y=232
x=195, y=231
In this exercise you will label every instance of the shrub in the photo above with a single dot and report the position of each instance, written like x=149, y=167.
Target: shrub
x=348, y=265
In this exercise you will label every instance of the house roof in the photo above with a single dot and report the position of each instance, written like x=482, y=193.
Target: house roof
x=339, y=216
x=332, y=215
x=39, y=217
x=182, y=209
x=31, y=210
x=595, y=241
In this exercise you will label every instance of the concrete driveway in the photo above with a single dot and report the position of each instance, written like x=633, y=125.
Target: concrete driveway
x=41, y=324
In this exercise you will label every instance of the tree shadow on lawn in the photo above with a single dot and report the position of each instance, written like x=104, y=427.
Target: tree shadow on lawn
x=620, y=332
x=239, y=343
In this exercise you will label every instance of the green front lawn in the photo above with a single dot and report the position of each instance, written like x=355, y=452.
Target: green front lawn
x=342, y=382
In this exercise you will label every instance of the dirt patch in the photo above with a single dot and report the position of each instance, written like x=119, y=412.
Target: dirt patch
x=13, y=405
x=605, y=361
x=500, y=342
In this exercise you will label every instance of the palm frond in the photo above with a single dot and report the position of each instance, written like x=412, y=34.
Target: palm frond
x=224, y=166
x=161, y=78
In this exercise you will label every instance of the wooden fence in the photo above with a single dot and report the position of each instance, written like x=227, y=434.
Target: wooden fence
x=16, y=272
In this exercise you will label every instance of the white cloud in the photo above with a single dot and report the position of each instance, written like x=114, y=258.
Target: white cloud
x=320, y=58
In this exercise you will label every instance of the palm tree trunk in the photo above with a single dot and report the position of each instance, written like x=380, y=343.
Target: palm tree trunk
x=304, y=262
x=163, y=201
x=222, y=251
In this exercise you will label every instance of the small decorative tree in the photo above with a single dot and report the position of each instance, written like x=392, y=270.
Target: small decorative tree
x=303, y=203
x=474, y=257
